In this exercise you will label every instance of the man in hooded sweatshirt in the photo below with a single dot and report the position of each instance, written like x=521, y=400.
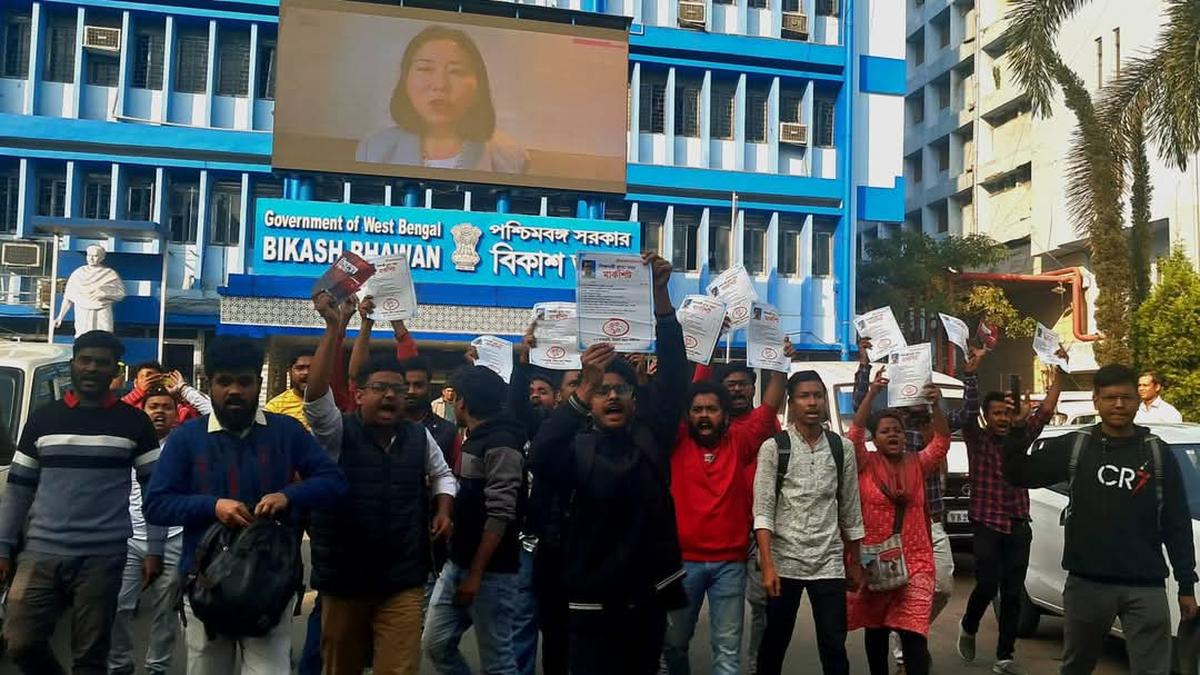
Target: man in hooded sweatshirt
x=609, y=447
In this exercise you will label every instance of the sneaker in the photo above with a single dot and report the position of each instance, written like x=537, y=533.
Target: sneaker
x=966, y=647
x=1008, y=667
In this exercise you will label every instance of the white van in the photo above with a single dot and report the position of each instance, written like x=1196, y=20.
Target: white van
x=31, y=375
x=838, y=377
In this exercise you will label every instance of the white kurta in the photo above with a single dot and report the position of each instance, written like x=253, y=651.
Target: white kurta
x=93, y=290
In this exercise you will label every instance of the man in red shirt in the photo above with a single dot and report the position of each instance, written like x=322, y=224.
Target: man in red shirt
x=712, y=458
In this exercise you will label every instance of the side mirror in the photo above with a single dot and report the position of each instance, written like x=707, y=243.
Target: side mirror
x=1062, y=518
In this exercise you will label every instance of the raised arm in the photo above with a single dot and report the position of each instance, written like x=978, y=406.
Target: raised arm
x=1055, y=391
x=1043, y=468
x=862, y=376
x=960, y=418
x=671, y=381
x=933, y=454
x=321, y=371
x=862, y=416
x=361, y=350
x=776, y=390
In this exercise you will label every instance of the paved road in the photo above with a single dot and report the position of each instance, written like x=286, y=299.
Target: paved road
x=1040, y=654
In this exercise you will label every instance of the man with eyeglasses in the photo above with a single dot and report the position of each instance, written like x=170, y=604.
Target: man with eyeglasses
x=1128, y=502
x=999, y=513
x=371, y=552
x=608, y=447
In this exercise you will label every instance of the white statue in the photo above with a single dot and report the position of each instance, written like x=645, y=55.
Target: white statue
x=93, y=289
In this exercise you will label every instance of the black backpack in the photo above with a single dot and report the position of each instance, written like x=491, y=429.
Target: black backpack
x=244, y=579
x=783, y=442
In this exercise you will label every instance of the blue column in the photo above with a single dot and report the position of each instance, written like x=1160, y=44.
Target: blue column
x=581, y=209
x=291, y=187
x=596, y=209
x=412, y=196
x=502, y=202
x=305, y=189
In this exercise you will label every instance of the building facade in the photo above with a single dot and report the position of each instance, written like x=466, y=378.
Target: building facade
x=977, y=161
x=162, y=112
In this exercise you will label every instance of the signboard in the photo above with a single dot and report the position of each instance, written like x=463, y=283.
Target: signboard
x=297, y=238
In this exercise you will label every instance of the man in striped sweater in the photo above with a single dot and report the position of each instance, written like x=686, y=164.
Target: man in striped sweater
x=73, y=466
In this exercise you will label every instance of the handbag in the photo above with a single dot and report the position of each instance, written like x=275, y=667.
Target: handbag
x=884, y=562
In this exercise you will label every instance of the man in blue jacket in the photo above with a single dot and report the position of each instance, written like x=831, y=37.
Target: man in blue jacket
x=233, y=466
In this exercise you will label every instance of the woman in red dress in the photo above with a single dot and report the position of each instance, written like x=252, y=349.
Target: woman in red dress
x=888, y=479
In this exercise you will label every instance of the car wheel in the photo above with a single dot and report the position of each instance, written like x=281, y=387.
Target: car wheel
x=1030, y=616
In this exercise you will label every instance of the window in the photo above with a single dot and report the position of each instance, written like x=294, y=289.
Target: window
x=941, y=217
x=827, y=8
x=754, y=243
x=52, y=196
x=333, y=190
x=822, y=253
x=685, y=230
x=791, y=6
x=719, y=235
x=266, y=70
x=1117, y=49
x=10, y=185
x=103, y=70
x=233, y=63
x=191, y=63
x=652, y=227
x=687, y=108
x=756, y=116
x=374, y=192
x=139, y=198
x=723, y=102
x=60, y=50
x=97, y=195
x=148, y=60
x=16, y=45
x=823, y=111
x=652, y=116
x=943, y=94
x=917, y=106
x=943, y=30
x=790, y=230
x=1099, y=62
x=789, y=106
x=226, y=208
x=916, y=49
x=184, y=209
x=943, y=157
x=916, y=168
x=759, y=4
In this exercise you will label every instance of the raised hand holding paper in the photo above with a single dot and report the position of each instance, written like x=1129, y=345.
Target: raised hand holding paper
x=495, y=354
x=880, y=327
x=615, y=302
x=701, y=317
x=764, y=339
x=556, y=346
x=344, y=277
x=392, y=288
x=989, y=336
x=910, y=370
x=734, y=288
x=1046, y=344
x=956, y=332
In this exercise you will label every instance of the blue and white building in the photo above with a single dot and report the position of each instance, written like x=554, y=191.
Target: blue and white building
x=115, y=113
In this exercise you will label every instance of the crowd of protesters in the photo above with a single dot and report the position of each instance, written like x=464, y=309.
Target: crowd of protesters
x=597, y=509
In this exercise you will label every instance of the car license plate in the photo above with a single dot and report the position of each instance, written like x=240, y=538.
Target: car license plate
x=957, y=517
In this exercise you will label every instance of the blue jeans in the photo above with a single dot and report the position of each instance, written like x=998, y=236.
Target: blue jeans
x=525, y=620
x=310, y=658
x=725, y=585
x=491, y=614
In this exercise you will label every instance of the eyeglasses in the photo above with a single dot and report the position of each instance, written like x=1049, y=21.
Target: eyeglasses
x=621, y=390
x=382, y=388
x=1118, y=398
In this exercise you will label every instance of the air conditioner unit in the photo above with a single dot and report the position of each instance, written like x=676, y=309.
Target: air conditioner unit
x=793, y=133
x=693, y=14
x=795, y=25
x=22, y=255
x=102, y=38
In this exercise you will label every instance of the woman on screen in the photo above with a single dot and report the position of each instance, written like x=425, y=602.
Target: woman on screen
x=443, y=111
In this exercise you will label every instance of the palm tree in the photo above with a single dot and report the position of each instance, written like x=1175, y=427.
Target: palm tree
x=1095, y=176
x=1155, y=100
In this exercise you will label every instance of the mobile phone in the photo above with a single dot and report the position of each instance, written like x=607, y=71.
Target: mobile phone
x=1014, y=386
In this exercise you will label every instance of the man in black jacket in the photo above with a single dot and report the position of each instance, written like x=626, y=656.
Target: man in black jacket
x=1127, y=502
x=478, y=583
x=611, y=450
x=370, y=553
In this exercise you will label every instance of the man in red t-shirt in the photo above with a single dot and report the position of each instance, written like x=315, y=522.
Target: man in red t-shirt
x=712, y=469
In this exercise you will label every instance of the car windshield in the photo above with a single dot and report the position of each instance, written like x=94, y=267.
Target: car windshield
x=951, y=400
x=1189, y=464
